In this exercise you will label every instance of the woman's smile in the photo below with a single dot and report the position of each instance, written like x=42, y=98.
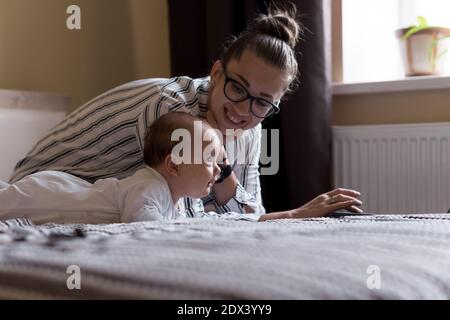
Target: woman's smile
x=234, y=119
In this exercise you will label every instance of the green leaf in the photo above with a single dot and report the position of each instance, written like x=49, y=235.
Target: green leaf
x=422, y=21
x=412, y=31
x=422, y=24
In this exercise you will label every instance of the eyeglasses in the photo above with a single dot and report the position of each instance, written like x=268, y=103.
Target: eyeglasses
x=259, y=107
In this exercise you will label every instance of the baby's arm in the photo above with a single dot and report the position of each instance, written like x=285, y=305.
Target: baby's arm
x=144, y=200
x=145, y=213
x=140, y=203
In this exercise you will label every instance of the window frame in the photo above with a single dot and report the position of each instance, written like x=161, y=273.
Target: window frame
x=395, y=85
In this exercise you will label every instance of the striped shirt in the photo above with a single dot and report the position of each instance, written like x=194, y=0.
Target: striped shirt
x=105, y=138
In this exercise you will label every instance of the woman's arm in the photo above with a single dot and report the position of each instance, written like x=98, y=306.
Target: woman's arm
x=321, y=206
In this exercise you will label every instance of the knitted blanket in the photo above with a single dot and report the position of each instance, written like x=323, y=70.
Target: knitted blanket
x=357, y=257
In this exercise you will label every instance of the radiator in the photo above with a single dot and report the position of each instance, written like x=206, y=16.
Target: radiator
x=397, y=168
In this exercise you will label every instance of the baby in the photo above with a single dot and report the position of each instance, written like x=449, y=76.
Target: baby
x=152, y=193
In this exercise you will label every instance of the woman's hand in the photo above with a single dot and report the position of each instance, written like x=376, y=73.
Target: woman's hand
x=321, y=206
x=329, y=202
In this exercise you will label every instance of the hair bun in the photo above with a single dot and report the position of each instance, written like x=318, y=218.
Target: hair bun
x=279, y=23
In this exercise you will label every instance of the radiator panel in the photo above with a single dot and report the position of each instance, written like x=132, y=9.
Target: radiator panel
x=397, y=168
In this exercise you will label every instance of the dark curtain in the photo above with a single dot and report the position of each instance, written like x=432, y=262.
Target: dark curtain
x=198, y=29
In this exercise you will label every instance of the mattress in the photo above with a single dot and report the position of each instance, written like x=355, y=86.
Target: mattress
x=354, y=257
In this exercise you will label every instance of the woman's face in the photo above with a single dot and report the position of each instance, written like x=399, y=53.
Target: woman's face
x=259, y=78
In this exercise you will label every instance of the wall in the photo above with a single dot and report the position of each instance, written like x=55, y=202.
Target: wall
x=386, y=108
x=120, y=41
x=383, y=108
x=150, y=28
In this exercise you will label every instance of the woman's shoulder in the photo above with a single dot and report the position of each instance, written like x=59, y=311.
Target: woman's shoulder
x=185, y=86
x=182, y=84
x=184, y=92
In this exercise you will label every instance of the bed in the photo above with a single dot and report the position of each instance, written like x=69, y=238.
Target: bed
x=350, y=257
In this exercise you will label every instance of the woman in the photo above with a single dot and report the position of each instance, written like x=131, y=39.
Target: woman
x=104, y=138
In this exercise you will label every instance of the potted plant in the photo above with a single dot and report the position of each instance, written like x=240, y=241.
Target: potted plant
x=423, y=48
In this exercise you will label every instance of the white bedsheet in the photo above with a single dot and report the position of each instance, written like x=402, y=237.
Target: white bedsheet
x=324, y=258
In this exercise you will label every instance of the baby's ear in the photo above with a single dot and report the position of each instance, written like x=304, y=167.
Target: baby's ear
x=171, y=163
x=175, y=159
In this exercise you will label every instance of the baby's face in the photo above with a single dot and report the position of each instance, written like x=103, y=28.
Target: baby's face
x=197, y=179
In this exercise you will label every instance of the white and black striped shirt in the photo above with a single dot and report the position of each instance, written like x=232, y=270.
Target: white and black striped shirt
x=105, y=138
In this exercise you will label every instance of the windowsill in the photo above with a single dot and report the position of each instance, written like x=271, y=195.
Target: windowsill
x=401, y=85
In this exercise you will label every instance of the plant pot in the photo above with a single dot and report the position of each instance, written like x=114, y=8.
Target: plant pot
x=424, y=53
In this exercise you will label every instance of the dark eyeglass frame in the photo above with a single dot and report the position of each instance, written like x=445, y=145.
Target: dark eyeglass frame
x=275, y=107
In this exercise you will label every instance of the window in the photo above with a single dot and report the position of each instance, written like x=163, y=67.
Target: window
x=370, y=47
